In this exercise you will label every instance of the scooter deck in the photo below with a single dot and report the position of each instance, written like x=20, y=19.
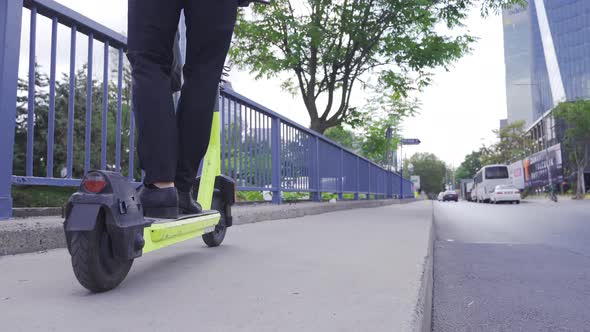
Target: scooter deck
x=166, y=232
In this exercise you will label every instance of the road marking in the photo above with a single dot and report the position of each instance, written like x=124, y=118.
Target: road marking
x=450, y=240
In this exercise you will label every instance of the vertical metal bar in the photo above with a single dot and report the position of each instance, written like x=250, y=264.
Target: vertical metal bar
x=235, y=142
x=105, y=107
x=119, y=112
x=240, y=122
x=341, y=193
x=131, y=143
x=88, y=137
x=267, y=151
x=256, y=149
x=369, y=179
x=316, y=178
x=31, y=94
x=51, y=119
x=358, y=180
x=71, y=102
x=292, y=156
x=276, y=161
x=223, y=133
x=10, y=30
x=250, y=155
x=401, y=171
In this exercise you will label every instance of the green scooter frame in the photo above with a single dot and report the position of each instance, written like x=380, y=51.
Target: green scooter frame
x=106, y=230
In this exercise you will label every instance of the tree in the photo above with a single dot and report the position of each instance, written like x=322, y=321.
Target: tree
x=41, y=121
x=374, y=142
x=341, y=135
x=469, y=166
x=330, y=47
x=513, y=143
x=431, y=171
x=576, y=116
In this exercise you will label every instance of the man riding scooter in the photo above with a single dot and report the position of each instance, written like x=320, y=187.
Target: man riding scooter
x=171, y=144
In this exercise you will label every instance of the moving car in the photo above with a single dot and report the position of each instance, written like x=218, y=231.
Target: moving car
x=505, y=193
x=450, y=195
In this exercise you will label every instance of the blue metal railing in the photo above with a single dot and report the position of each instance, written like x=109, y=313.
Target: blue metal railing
x=260, y=149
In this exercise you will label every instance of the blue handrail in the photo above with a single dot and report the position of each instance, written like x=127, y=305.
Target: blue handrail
x=261, y=149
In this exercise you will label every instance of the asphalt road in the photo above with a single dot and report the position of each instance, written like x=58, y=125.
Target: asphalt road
x=512, y=267
x=356, y=270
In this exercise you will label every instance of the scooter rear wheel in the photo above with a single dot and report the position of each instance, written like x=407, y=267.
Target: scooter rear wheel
x=93, y=261
x=215, y=238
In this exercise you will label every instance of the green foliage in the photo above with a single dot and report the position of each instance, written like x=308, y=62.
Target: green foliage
x=374, y=142
x=469, y=166
x=341, y=135
x=513, y=143
x=41, y=196
x=295, y=196
x=329, y=196
x=249, y=196
x=329, y=47
x=431, y=171
x=576, y=116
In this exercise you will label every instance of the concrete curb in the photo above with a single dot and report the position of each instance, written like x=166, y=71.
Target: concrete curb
x=423, y=311
x=26, y=235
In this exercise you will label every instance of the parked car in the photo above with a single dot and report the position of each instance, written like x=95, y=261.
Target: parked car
x=440, y=196
x=505, y=193
x=450, y=195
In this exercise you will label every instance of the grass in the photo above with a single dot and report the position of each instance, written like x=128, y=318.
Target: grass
x=46, y=196
x=41, y=196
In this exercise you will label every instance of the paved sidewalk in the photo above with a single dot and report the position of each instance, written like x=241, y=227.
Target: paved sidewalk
x=22, y=235
x=354, y=270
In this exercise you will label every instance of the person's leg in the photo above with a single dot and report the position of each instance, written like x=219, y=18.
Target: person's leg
x=152, y=26
x=210, y=27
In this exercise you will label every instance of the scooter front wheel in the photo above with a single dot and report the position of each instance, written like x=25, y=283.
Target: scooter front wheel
x=93, y=261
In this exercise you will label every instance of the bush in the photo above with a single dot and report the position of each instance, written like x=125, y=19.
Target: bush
x=249, y=196
x=41, y=196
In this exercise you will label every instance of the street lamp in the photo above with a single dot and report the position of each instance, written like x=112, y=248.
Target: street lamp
x=402, y=142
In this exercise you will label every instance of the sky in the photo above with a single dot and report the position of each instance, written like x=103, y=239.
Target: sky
x=458, y=113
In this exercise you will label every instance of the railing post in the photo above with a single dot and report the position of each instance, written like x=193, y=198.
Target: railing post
x=10, y=29
x=314, y=173
x=341, y=178
x=358, y=180
x=369, y=177
x=275, y=133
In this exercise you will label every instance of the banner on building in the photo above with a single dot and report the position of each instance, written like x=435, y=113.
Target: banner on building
x=542, y=166
x=517, y=174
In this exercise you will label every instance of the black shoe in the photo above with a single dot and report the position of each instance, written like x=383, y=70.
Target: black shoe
x=159, y=202
x=187, y=205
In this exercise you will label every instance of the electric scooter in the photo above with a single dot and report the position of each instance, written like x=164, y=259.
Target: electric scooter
x=106, y=229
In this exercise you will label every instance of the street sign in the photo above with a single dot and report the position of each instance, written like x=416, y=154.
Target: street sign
x=410, y=141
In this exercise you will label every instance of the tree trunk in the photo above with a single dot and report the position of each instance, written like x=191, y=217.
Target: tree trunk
x=581, y=186
x=318, y=126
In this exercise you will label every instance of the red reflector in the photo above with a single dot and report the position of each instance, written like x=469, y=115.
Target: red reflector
x=94, y=183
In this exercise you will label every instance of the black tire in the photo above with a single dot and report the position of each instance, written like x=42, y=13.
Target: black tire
x=94, y=265
x=215, y=238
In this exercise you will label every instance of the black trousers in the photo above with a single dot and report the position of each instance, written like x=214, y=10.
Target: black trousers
x=171, y=145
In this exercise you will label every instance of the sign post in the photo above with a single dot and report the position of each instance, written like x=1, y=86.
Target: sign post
x=404, y=141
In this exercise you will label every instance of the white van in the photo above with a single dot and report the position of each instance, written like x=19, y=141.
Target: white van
x=486, y=179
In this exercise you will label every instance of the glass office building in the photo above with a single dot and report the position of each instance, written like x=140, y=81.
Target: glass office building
x=547, y=55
